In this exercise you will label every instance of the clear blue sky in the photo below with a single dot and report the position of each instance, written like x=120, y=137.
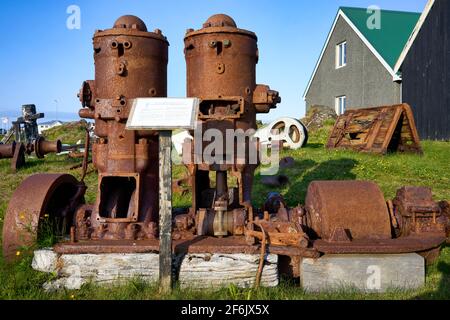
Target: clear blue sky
x=43, y=61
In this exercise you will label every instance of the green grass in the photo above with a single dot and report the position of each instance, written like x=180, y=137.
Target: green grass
x=69, y=133
x=19, y=281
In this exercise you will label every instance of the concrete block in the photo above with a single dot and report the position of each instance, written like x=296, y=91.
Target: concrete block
x=368, y=273
x=221, y=270
x=44, y=260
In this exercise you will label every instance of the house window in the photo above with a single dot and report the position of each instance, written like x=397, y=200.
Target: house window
x=341, y=105
x=341, y=55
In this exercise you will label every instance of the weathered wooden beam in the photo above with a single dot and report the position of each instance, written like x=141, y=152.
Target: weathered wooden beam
x=165, y=211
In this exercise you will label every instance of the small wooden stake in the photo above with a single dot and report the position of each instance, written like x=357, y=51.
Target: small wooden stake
x=165, y=211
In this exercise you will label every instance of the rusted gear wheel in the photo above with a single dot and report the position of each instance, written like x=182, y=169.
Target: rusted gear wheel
x=42, y=197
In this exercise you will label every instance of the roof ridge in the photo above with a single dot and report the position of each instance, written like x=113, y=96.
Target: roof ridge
x=383, y=10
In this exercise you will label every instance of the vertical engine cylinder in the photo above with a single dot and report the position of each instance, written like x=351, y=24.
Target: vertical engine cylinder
x=221, y=71
x=130, y=62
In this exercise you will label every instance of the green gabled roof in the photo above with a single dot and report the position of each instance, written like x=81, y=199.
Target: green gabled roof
x=396, y=28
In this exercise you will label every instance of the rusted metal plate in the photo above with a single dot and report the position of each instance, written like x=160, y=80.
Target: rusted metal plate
x=194, y=245
x=400, y=245
x=40, y=197
x=376, y=130
x=230, y=245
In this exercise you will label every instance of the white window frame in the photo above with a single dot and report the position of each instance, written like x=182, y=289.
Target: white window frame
x=340, y=105
x=341, y=55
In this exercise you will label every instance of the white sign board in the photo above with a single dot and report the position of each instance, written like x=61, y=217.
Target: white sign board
x=163, y=114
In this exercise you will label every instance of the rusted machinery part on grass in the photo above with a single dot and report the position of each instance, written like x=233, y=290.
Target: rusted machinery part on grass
x=287, y=162
x=445, y=209
x=7, y=150
x=357, y=206
x=130, y=63
x=181, y=186
x=15, y=152
x=274, y=202
x=41, y=147
x=18, y=160
x=416, y=213
x=221, y=70
x=40, y=199
x=377, y=130
x=291, y=132
x=344, y=217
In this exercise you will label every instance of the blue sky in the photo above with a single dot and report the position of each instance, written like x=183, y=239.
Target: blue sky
x=44, y=62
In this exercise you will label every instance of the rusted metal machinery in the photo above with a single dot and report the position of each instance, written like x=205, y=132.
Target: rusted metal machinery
x=27, y=139
x=25, y=128
x=130, y=62
x=339, y=217
x=377, y=130
x=16, y=151
x=221, y=70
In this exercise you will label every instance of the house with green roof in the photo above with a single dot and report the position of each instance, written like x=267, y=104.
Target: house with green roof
x=356, y=68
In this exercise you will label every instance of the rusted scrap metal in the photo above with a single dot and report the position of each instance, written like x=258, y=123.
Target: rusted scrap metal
x=25, y=128
x=181, y=186
x=221, y=70
x=353, y=217
x=287, y=162
x=338, y=217
x=445, y=209
x=376, y=130
x=16, y=151
x=130, y=62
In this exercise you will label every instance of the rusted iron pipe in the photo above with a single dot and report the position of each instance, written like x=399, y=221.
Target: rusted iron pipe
x=43, y=147
x=7, y=150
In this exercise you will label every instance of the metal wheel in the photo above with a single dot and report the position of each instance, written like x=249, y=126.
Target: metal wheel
x=42, y=197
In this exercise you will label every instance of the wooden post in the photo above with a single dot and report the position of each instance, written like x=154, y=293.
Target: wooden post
x=165, y=211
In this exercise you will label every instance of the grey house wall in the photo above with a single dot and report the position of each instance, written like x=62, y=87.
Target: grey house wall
x=364, y=80
x=426, y=75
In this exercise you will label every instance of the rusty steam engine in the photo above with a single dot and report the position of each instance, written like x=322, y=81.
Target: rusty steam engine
x=338, y=217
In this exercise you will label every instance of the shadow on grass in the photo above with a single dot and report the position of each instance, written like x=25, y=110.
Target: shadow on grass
x=302, y=174
x=329, y=170
x=314, y=146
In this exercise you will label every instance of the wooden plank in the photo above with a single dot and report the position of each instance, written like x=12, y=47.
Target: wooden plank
x=208, y=271
x=392, y=127
x=165, y=211
x=368, y=273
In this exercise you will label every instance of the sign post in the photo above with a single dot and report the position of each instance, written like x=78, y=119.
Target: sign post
x=164, y=115
x=165, y=211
